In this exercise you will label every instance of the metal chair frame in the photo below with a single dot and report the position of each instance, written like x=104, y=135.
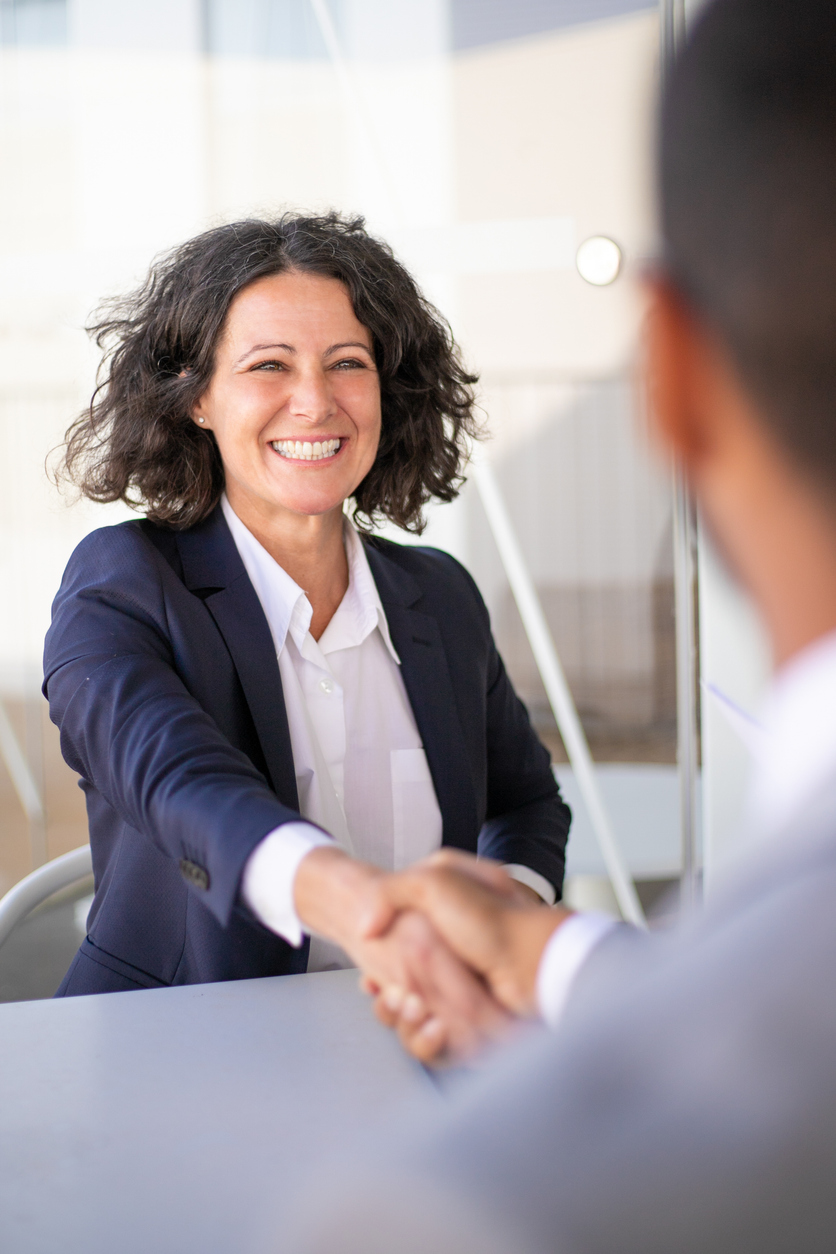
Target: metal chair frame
x=41, y=884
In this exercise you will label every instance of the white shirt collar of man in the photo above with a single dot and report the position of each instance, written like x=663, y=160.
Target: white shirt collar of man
x=288, y=609
x=795, y=755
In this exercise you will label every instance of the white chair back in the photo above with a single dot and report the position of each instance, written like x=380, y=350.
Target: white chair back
x=35, y=888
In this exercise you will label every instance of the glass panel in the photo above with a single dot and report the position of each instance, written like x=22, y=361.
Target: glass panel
x=33, y=22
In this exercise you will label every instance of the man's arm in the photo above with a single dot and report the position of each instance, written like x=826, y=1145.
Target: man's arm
x=686, y=1103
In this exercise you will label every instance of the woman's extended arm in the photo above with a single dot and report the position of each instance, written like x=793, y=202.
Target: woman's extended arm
x=131, y=728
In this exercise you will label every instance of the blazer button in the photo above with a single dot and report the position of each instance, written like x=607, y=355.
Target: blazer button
x=196, y=875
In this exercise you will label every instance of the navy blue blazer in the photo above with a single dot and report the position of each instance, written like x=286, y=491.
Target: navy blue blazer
x=162, y=676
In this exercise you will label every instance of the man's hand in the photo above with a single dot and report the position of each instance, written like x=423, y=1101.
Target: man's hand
x=444, y=1011
x=480, y=913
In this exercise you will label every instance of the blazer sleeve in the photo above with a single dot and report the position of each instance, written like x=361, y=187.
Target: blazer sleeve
x=526, y=819
x=131, y=729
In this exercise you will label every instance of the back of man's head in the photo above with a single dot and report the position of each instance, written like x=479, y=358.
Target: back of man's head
x=748, y=192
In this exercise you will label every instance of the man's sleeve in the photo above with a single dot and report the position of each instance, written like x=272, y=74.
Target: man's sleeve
x=566, y=952
x=687, y=1102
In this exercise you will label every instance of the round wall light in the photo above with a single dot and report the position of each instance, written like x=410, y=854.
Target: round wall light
x=599, y=260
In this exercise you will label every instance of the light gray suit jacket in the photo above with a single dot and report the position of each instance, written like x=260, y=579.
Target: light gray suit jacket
x=685, y=1105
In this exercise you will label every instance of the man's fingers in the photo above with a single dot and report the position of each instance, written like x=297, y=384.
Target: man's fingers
x=418, y=887
x=488, y=872
x=403, y=891
x=380, y=911
x=460, y=904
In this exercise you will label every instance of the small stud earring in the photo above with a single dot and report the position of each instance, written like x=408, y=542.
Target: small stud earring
x=201, y=419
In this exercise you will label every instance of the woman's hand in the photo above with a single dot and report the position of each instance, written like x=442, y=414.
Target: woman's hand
x=440, y=1008
x=337, y=896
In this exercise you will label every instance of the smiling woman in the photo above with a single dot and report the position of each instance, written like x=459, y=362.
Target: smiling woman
x=270, y=708
x=137, y=441
x=294, y=406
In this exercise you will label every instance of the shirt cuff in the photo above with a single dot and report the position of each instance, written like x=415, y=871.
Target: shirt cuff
x=566, y=951
x=269, y=873
x=538, y=883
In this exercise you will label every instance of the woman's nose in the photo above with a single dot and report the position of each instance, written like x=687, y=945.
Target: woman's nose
x=311, y=397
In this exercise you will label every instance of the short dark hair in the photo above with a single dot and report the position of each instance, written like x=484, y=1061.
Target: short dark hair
x=137, y=442
x=748, y=206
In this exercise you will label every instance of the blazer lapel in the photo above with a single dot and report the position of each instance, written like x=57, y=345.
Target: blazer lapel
x=426, y=675
x=212, y=565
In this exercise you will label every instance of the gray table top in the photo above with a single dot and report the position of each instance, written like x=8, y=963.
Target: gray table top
x=176, y=1119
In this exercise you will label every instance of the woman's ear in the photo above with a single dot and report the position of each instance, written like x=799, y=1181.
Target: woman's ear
x=197, y=415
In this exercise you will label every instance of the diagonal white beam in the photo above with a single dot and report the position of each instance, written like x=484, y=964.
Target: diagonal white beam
x=557, y=689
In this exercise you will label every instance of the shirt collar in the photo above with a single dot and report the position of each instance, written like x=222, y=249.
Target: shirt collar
x=285, y=605
x=287, y=608
x=798, y=750
x=361, y=610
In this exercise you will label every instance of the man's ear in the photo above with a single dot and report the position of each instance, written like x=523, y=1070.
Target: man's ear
x=678, y=356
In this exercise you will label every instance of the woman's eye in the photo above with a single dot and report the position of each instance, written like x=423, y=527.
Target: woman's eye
x=350, y=363
x=269, y=365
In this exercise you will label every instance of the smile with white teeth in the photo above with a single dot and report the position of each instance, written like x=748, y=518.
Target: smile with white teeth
x=305, y=450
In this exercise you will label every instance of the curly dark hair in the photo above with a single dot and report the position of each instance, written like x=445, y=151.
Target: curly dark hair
x=137, y=442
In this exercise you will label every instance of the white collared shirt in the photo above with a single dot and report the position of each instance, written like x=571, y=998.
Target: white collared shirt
x=361, y=770
x=792, y=758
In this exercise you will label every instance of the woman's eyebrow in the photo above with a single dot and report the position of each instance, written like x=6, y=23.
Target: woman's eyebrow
x=288, y=348
x=335, y=348
x=260, y=348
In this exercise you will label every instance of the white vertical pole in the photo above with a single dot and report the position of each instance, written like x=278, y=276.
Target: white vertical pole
x=557, y=689
x=672, y=15
x=685, y=582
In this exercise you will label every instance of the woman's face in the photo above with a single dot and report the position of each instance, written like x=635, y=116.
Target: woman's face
x=294, y=401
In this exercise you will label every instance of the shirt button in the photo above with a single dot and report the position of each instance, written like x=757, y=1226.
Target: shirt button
x=326, y=686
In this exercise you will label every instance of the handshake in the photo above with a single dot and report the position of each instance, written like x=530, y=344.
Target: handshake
x=449, y=949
